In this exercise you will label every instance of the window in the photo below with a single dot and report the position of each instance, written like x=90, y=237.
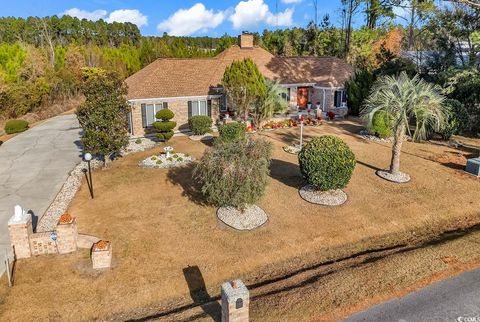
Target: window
x=340, y=98
x=149, y=111
x=223, y=104
x=203, y=107
x=286, y=95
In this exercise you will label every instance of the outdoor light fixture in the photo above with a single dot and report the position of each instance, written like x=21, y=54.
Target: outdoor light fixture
x=88, y=157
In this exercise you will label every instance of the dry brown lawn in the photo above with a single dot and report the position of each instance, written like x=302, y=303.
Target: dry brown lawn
x=159, y=226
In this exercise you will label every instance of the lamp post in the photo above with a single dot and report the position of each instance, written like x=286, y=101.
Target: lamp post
x=301, y=130
x=88, y=157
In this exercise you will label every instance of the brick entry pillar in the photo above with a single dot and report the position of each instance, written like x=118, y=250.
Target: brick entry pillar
x=235, y=302
x=20, y=230
x=67, y=234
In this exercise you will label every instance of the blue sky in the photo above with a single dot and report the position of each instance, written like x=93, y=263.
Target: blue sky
x=196, y=18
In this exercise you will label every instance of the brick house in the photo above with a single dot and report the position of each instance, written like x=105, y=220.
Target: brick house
x=193, y=86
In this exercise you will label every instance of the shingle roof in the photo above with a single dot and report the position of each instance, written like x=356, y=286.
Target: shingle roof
x=175, y=77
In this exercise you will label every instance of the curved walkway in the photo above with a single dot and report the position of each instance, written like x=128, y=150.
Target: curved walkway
x=33, y=167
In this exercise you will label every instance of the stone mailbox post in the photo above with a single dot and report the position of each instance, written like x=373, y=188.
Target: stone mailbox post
x=20, y=229
x=67, y=234
x=235, y=302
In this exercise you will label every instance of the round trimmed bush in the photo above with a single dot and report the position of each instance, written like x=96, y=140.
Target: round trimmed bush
x=232, y=132
x=164, y=126
x=327, y=163
x=200, y=124
x=15, y=126
x=381, y=125
x=164, y=115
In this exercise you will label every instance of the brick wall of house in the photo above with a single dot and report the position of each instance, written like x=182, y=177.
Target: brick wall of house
x=178, y=107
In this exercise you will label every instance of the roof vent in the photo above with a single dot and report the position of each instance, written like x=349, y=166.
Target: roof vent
x=245, y=40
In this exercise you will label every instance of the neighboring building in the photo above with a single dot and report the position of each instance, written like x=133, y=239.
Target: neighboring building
x=193, y=86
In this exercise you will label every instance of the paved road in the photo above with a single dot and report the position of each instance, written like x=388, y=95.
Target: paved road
x=33, y=167
x=454, y=299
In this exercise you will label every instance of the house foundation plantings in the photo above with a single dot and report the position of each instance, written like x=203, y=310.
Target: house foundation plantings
x=327, y=164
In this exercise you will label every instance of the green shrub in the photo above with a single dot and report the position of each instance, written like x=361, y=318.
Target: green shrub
x=381, y=125
x=165, y=115
x=138, y=141
x=200, y=124
x=457, y=119
x=234, y=173
x=164, y=127
x=15, y=126
x=180, y=159
x=154, y=158
x=232, y=132
x=327, y=163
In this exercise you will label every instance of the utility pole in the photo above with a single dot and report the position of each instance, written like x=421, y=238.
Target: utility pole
x=315, y=7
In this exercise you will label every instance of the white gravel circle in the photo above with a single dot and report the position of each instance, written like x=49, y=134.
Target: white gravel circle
x=326, y=198
x=253, y=217
x=292, y=149
x=400, y=177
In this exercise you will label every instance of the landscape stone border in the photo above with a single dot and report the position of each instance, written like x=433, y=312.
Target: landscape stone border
x=400, y=177
x=253, y=217
x=330, y=198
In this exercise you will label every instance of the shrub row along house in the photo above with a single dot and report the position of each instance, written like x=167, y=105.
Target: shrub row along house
x=193, y=86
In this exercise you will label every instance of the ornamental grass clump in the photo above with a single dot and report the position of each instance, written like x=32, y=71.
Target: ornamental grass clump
x=327, y=163
x=234, y=173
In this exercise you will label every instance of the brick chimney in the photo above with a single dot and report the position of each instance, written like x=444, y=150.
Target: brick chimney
x=245, y=40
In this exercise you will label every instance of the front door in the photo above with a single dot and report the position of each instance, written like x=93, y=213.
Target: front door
x=302, y=97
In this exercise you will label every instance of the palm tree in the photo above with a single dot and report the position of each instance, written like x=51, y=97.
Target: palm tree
x=271, y=103
x=405, y=98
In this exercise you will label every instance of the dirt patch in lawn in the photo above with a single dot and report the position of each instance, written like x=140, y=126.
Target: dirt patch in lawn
x=159, y=228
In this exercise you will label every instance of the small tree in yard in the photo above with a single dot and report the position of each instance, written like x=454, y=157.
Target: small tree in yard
x=271, y=103
x=244, y=85
x=103, y=116
x=234, y=173
x=404, y=98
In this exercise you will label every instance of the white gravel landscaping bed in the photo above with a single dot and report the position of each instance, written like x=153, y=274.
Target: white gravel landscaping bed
x=161, y=161
x=367, y=136
x=326, y=198
x=253, y=217
x=399, y=177
x=292, y=149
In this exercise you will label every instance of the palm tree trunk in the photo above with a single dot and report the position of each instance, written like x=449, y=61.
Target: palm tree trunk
x=397, y=149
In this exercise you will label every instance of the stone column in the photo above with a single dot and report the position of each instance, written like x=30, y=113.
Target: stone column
x=235, y=302
x=20, y=230
x=67, y=234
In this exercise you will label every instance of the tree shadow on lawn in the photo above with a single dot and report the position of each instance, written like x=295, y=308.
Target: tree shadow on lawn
x=183, y=176
x=198, y=292
x=286, y=173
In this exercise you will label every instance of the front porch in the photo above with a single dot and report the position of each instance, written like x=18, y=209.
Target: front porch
x=308, y=97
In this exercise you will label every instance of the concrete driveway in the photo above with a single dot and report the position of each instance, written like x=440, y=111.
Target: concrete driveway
x=454, y=299
x=33, y=167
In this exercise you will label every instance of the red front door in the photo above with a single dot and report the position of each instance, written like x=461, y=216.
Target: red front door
x=302, y=97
